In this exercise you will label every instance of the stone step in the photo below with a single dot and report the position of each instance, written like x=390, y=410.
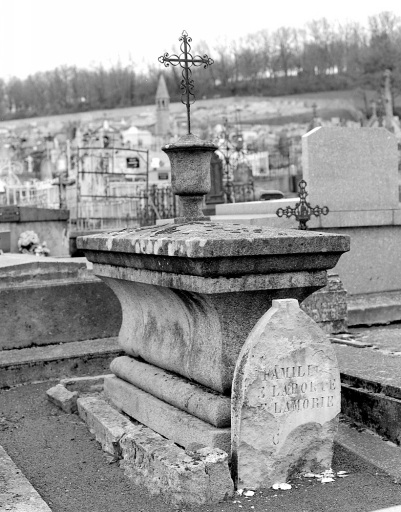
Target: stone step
x=371, y=383
x=91, y=357
x=374, y=308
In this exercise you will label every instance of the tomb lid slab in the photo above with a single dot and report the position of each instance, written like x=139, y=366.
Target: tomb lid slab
x=213, y=240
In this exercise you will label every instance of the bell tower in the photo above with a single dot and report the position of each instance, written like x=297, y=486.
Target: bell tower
x=162, y=110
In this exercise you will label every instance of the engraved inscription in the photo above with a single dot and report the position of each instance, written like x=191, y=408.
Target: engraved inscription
x=297, y=388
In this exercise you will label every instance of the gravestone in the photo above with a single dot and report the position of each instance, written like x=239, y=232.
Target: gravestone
x=285, y=399
x=216, y=193
x=351, y=169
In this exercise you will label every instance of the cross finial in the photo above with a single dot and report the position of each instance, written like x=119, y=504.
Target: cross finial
x=303, y=211
x=186, y=60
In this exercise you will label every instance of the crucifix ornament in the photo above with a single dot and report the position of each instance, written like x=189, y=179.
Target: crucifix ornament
x=186, y=60
x=303, y=211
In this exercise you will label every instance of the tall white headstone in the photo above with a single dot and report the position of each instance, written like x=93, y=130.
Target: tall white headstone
x=351, y=169
x=285, y=399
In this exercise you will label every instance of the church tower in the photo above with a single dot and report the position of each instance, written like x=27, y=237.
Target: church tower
x=162, y=110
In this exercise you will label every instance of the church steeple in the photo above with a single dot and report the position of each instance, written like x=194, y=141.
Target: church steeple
x=162, y=109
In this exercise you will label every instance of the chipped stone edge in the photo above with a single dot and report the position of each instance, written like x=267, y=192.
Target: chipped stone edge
x=17, y=493
x=182, y=478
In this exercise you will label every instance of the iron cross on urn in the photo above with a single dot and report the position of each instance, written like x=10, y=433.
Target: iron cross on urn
x=189, y=156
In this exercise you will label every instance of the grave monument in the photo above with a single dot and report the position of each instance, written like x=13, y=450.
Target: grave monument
x=193, y=294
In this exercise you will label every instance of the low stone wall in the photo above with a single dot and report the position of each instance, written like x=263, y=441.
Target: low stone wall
x=49, y=224
x=45, y=301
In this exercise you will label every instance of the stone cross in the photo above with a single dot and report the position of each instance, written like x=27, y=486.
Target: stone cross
x=186, y=60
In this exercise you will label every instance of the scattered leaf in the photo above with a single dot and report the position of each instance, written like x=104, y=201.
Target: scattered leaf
x=326, y=480
x=339, y=473
x=309, y=475
x=240, y=491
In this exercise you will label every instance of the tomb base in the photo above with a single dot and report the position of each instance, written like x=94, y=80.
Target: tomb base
x=169, y=421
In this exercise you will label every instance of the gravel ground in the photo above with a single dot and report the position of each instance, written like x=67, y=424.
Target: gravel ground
x=66, y=465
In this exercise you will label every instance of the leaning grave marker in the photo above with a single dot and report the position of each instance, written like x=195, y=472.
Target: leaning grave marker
x=285, y=399
x=191, y=293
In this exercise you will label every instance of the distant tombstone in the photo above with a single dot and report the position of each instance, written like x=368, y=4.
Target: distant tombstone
x=351, y=168
x=216, y=194
x=285, y=399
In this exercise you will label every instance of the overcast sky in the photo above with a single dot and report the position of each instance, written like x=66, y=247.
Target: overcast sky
x=39, y=35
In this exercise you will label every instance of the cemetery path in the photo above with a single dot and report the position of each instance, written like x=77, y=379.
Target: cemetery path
x=67, y=467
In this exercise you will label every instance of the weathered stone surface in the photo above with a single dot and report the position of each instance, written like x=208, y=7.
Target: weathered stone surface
x=48, y=300
x=85, y=384
x=196, y=478
x=328, y=306
x=209, y=285
x=89, y=357
x=188, y=396
x=286, y=399
x=177, y=425
x=63, y=398
x=204, y=339
x=107, y=424
x=182, y=478
x=16, y=492
x=190, y=174
x=351, y=169
x=211, y=249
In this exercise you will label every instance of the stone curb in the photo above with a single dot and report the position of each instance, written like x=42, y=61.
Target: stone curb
x=381, y=454
x=91, y=357
x=377, y=411
x=181, y=477
x=16, y=492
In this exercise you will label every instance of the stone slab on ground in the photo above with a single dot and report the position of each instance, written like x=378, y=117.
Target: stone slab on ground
x=182, y=478
x=177, y=425
x=107, y=424
x=63, y=398
x=362, y=367
x=87, y=384
x=374, y=308
x=16, y=492
x=390, y=509
x=91, y=357
x=372, y=449
x=371, y=382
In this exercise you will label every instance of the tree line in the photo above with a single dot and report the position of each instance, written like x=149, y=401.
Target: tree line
x=321, y=56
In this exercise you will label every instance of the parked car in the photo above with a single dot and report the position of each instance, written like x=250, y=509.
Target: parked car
x=267, y=195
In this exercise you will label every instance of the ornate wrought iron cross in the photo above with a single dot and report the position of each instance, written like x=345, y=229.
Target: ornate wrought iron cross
x=303, y=211
x=186, y=60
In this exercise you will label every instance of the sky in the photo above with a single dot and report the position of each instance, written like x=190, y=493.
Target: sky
x=40, y=35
